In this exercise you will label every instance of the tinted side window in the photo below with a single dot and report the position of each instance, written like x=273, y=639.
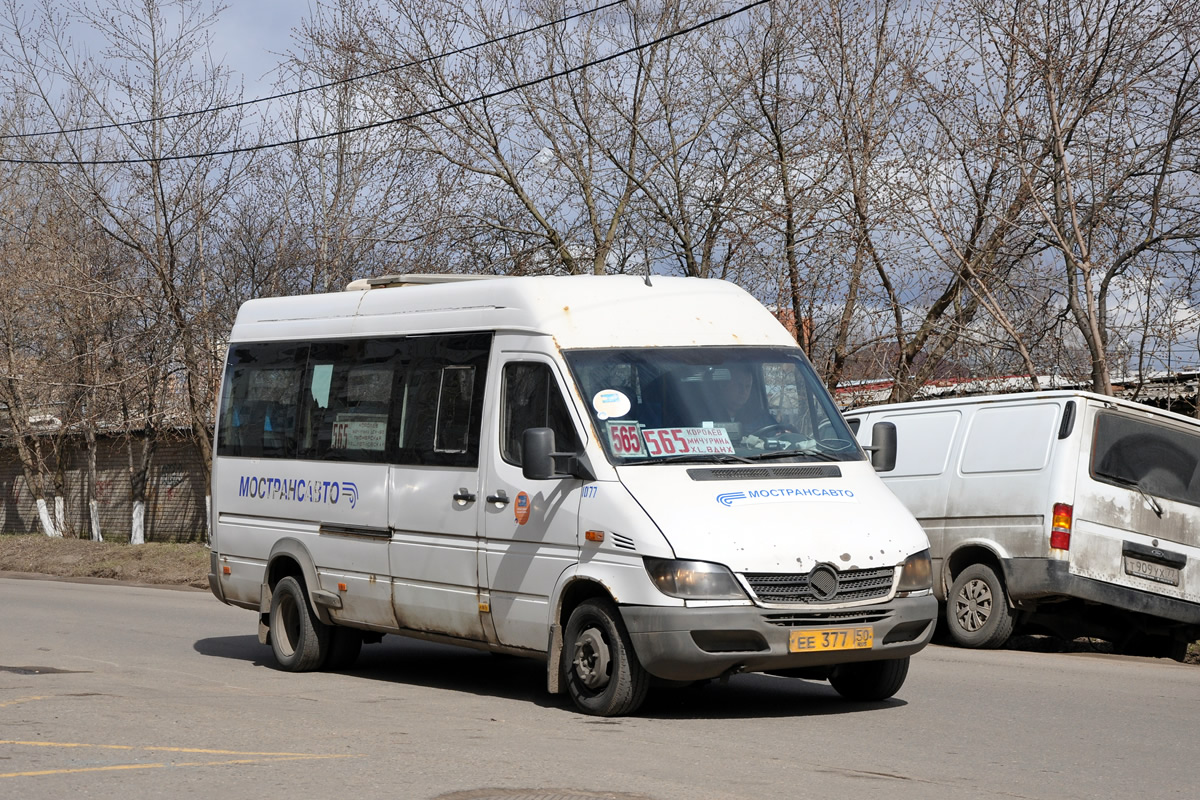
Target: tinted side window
x=259, y=407
x=347, y=399
x=413, y=400
x=532, y=400
x=440, y=400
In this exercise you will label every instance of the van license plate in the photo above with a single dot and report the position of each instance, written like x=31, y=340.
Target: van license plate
x=1151, y=571
x=809, y=641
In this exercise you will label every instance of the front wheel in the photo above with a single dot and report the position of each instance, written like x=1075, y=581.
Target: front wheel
x=600, y=669
x=977, y=610
x=869, y=681
x=299, y=640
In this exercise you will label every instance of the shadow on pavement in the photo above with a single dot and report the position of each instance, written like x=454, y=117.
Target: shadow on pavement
x=400, y=660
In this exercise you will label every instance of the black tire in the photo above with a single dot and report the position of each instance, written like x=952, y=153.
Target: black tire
x=599, y=667
x=344, y=646
x=977, y=610
x=299, y=640
x=869, y=681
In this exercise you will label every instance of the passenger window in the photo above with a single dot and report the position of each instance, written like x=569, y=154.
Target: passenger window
x=441, y=400
x=349, y=393
x=454, y=410
x=532, y=400
x=259, y=406
x=411, y=400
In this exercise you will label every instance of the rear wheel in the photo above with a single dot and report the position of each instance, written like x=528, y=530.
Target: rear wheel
x=869, y=680
x=299, y=640
x=600, y=669
x=977, y=609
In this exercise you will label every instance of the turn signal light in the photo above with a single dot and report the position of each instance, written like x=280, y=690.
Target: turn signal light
x=341, y=587
x=594, y=536
x=226, y=570
x=1060, y=527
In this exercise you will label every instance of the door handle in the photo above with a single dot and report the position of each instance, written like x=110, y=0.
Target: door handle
x=463, y=496
x=499, y=498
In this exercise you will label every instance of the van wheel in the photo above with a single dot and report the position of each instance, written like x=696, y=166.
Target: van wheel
x=600, y=669
x=977, y=610
x=344, y=647
x=299, y=640
x=869, y=681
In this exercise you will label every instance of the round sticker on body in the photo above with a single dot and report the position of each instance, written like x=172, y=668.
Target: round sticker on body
x=610, y=403
x=521, y=508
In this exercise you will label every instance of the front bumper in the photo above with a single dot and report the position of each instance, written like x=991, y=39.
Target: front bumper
x=690, y=644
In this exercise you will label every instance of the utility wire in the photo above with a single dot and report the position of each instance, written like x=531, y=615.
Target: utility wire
x=340, y=81
x=406, y=118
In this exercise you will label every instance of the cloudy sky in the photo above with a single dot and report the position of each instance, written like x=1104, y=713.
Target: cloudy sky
x=251, y=34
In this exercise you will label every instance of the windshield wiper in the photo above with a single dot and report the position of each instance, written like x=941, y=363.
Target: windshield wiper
x=1155, y=506
x=703, y=458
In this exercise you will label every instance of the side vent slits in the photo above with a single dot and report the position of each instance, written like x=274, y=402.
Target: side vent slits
x=623, y=542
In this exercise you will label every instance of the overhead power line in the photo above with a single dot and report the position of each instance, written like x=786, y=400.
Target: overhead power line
x=407, y=117
x=330, y=84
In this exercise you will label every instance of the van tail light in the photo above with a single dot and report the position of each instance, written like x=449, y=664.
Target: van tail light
x=1060, y=527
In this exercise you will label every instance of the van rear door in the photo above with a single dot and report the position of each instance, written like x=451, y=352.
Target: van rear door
x=1137, y=507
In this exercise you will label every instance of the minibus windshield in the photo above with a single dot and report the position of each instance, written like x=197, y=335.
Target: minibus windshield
x=709, y=404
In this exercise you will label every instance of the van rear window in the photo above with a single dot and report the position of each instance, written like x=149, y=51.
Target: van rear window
x=1160, y=460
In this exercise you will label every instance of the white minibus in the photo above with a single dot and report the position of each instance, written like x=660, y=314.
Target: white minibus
x=634, y=479
x=1065, y=512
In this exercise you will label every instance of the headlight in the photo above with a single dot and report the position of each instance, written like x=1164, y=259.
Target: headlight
x=916, y=575
x=694, y=580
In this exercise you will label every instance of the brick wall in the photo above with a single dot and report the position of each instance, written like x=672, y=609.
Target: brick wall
x=174, y=493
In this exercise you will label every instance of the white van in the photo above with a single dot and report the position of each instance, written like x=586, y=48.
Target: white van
x=630, y=478
x=1062, y=511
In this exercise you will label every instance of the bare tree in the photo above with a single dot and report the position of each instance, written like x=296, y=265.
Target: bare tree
x=1113, y=98
x=159, y=197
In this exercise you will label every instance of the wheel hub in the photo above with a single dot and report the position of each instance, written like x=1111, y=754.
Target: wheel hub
x=591, y=659
x=974, y=605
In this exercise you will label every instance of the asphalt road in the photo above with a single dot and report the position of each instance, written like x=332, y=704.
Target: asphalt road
x=124, y=692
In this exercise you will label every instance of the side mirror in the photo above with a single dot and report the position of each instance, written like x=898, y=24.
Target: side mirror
x=537, y=454
x=883, y=446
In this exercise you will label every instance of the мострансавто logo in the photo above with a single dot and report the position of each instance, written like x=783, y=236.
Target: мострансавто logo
x=786, y=495
x=298, y=490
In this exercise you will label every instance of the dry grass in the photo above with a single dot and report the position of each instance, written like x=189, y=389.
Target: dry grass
x=152, y=563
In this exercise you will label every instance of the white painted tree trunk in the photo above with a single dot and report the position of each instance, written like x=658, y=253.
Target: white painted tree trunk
x=94, y=513
x=44, y=517
x=60, y=515
x=137, y=529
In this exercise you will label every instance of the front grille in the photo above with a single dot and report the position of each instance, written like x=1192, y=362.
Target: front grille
x=853, y=584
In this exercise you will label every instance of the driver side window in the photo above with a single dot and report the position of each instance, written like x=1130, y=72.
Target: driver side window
x=532, y=400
